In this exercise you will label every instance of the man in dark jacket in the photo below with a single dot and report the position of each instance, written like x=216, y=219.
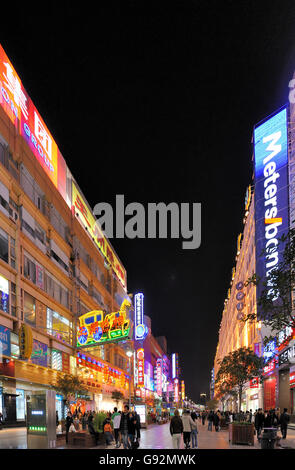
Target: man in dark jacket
x=284, y=420
x=259, y=421
x=69, y=421
x=127, y=427
x=176, y=429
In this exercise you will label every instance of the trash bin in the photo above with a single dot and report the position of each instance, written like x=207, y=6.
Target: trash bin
x=268, y=438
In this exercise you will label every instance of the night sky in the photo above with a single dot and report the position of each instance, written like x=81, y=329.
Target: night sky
x=157, y=101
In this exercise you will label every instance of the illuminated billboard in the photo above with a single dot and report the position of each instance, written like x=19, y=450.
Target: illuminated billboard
x=271, y=194
x=96, y=328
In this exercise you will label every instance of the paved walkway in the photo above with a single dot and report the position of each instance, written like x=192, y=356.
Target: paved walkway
x=155, y=437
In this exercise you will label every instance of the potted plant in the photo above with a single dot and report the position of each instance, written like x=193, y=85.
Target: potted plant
x=68, y=385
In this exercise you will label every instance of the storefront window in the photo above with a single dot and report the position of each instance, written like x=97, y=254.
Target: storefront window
x=58, y=326
x=29, y=309
x=20, y=405
x=14, y=340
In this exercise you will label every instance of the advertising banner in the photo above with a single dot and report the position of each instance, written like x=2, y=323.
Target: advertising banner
x=4, y=341
x=271, y=194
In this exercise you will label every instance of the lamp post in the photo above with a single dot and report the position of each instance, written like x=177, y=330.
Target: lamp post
x=129, y=354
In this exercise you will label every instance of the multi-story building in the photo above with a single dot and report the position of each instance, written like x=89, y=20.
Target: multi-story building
x=241, y=300
x=55, y=265
x=271, y=214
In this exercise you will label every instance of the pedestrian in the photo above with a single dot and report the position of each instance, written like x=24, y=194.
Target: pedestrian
x=125, y=427
x=284, y=420
x=259, y=421
x=203, y=417
x=1, y=420
x=69, y=422
x=116, y=418
x=108, y=431
x=137, y=428
x=210, y=420
x=176, y=429
x=56, y=418
x=194, y=431
x=216, y=420
x=188, y=424
x=268, y=420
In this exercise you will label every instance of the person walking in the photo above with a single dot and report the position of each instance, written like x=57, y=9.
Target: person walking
x=284, y=420
x=210, y=420
x=127, y=428
x=259, y=422
x=176, y=429
x=137, y=427
x=56, y=418
x=203, y=417
x=217, y=417
x=69, y=422
x=116, y=419
x=194, y=430
x=188, y=424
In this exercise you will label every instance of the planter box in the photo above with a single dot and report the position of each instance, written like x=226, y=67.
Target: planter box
x=241, y=434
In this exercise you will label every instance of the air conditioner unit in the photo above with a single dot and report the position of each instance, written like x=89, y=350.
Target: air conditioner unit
x=13, y=215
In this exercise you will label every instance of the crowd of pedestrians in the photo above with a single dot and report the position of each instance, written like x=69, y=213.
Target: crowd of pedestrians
x=118, y=427
x=186, y=425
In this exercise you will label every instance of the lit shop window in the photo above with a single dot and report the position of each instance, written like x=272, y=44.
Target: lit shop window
x=4, y=294
x=56, y=359
x=20, y=405
x=59, y=326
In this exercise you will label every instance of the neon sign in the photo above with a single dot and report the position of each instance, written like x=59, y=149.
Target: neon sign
x=96, y=328
x=176, y=390
x=271, y=193
x=182, y=390
x=159, y=377
x=140, y=367
x=141, y=330
x=270, y=350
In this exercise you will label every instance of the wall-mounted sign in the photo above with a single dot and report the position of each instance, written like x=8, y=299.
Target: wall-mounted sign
x=140, y=367
x=25, y=341
x=271, y=195
x=269, y=367
x=176, y=390
x=39, y=353
x=182, y=390
x=140, y=330
x=270, y=350
x=285, y=336
x=159, y=377
x=254, y=383
x=96, y=328
x=4, y=341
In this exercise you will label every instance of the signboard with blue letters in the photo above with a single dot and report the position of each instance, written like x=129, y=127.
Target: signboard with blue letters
x=271, y=195
x=4, y=341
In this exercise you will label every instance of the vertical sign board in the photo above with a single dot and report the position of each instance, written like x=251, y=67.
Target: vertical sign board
x=271, y=194
x=159, y=377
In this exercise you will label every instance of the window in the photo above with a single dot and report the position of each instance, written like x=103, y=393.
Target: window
x=56, y=359
x=3, y=245
x=20, y=405
x=59, y=326
x=29, y=309
x=13, y=299
x=14, y=342
x=12, y=253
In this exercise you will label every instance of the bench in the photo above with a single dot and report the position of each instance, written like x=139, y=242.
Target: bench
x=83, y=439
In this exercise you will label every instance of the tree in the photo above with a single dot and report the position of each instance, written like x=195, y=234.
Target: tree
x=117, y=396
x=237, y=368
x=212, y=404
x=224, y=390
x=69, y=386
x=274, y=304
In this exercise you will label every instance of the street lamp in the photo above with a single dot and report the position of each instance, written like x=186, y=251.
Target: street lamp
x=129, y=353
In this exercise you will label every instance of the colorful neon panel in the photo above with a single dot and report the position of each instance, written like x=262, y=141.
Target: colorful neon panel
x=95, y=328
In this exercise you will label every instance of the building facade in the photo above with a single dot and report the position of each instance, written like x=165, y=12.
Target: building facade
x=55, y=265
